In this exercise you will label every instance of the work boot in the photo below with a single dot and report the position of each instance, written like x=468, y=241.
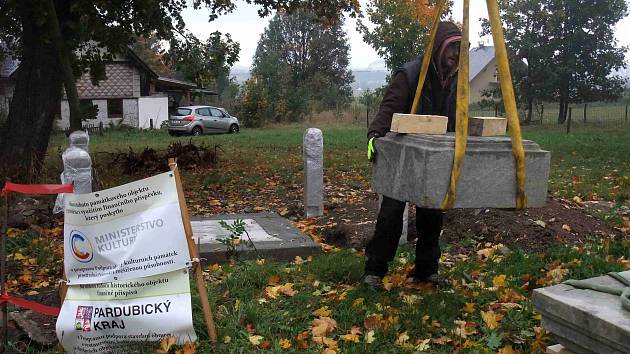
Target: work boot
x=434, y=279
x=373, y=282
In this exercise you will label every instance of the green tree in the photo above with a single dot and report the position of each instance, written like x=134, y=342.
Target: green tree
x=300, y=63
x=570, y=49
x=206, y=64
x=57, y=40
x=525, y=25
x=371, y=99
x=587, y=51
x=399, y=30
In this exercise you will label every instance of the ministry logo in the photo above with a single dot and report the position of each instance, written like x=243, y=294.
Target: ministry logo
x=83, y=319
x=81, y=247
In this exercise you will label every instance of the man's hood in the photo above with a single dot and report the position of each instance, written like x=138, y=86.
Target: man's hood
x=446, y=30
x=447, y=33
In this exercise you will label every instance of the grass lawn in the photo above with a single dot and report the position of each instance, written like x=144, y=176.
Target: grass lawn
x=317, y=305
x=592, y=162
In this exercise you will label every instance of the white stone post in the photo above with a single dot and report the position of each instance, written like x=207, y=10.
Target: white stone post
x=313, y=150
x=77, y=167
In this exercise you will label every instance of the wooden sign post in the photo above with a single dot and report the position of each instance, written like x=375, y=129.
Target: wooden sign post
x=194, y=254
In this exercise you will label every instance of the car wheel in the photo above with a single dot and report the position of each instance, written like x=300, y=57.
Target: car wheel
x=197, y=131
x=233, y=128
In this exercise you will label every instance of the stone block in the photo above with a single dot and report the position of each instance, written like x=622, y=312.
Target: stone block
x=417, y=168
x=487, y=126
x=273, y=237
x=418, y=124
x=585, y=321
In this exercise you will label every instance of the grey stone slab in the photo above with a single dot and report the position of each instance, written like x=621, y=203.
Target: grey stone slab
x=416, y=168
x=585, y=321
x=272, y=235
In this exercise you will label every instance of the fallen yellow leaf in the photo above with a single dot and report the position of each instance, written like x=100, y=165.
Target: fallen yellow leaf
x=358, y=302
x=353, y=336
x=322, y=312
x=464, y=329
x=273, y=292
x=424, y=345
x=442, y=340
x=402, y=338
x=255, y=340
x=323, y=326
x=166, y=344
x=273, y=280
x=214, y=267
x=499, y=281
x=491, y=319
x=556, y=275
x=19, y=257
x=189, y=348
x=369, y=337
x=285, y=343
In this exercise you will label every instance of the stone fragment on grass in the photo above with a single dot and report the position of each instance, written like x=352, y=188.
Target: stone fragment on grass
x=585, y=321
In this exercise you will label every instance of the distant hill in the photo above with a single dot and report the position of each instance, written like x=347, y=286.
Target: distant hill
x=368, y=80
x=364, y=79
x=240, y=73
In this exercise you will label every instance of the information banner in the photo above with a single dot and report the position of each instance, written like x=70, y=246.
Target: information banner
x=107, y=317
x=131, y=231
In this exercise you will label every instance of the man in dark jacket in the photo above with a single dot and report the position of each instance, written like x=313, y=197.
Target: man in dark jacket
x=438, y=98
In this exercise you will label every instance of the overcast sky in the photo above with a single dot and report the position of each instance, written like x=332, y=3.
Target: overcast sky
x=245, y=27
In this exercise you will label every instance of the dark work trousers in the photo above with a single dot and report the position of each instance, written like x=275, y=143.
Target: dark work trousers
x=382, y=247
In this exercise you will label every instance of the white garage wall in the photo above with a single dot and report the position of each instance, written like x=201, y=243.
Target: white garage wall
x=152, y=107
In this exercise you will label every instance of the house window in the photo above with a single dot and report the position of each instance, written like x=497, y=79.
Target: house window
x=88, y=109
x=115, y=108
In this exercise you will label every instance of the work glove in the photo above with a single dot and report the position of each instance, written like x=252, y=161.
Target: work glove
x=371, y=151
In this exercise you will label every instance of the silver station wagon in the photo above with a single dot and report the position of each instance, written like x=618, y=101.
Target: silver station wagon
x=198, y=120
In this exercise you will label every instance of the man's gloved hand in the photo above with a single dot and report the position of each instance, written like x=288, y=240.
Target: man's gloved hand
x=371, y=151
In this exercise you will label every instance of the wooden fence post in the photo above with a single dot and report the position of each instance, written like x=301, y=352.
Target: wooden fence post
x=151, y=123
x=569, y=121
x=367, y=116
x=194, y=254
x=626, y=113
x=586, y=104
x=542, y=113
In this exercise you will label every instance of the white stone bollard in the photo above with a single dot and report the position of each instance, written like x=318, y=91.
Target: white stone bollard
x=80, y=139
x=77, y=167
x=313, y=150
x=405, y=221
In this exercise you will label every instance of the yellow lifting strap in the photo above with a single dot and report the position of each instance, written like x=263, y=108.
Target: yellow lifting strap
x=463, y=87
